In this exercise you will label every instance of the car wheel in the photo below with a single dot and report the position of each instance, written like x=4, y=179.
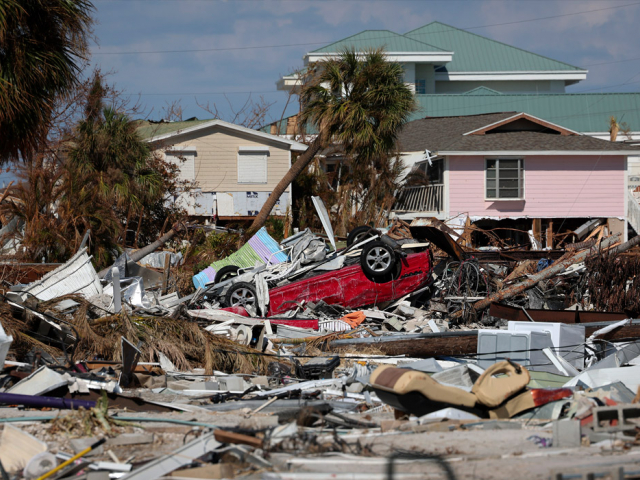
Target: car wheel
x=225, y=273
x=241, y=294
x=377, y=259
x=361, y=233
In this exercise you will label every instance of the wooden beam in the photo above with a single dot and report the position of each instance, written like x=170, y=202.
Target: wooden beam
x=225, y=436
x=537, y=229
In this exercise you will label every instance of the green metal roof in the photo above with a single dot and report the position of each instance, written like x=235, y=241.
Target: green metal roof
x=149, y=130
x=370, y=39
x=482, y=91
x=582, y=112
x=474, y=53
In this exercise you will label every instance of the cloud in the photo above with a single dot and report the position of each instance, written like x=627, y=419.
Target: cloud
x=583, y=39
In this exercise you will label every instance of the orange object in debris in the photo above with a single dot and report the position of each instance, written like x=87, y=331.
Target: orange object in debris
x=354, y=319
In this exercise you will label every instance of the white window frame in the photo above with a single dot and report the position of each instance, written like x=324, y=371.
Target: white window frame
x=521, y=181
x=257, y=150
x=183, y=152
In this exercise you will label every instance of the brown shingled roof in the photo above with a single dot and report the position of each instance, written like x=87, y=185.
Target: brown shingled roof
x=442, y=134
x=434, y=133
x=534, y=141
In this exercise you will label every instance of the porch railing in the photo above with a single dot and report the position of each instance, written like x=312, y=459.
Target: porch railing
x=423, y=198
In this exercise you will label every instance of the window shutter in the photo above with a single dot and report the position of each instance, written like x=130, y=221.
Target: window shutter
x=187, y=167
x=252, y=167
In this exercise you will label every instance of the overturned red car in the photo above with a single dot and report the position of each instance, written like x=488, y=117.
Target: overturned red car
x=377, y=275
x=372, y=270
x=350, y=287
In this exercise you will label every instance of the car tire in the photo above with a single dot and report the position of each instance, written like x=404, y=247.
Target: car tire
x=241, y=294
x=225, y=273
x=377, y=259
x=358, y=234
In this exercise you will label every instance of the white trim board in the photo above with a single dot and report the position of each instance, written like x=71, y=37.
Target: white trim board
x=418, y=57
x=299, y=147
x=526, y=115
x=496, y=76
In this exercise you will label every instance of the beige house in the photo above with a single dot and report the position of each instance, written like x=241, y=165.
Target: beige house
x=234, y=168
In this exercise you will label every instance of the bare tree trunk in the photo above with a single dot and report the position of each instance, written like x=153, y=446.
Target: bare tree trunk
x=135, y=242
x=296, y=169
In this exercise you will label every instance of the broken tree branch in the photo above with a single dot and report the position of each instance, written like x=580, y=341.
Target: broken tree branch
x=143, y=252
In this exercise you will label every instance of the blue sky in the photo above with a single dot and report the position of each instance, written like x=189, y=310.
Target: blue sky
x=607, y=33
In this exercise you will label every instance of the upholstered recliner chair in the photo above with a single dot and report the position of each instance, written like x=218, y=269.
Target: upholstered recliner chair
x=500, y=392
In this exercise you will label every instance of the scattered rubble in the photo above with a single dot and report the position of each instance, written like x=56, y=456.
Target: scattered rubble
x=300, y=359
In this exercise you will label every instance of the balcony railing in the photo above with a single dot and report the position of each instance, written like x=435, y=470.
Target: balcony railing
x=424, y=198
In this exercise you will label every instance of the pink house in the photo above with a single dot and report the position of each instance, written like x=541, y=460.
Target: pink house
x=514, y=172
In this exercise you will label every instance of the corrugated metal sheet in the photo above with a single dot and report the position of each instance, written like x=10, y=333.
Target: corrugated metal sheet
x=390, y=41
x=260, y=249
x=474, y=53
x=75, y=276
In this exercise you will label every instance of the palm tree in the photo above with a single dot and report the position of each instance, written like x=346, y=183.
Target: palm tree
x=42, y=46
x=107, y=157
x=357, y=100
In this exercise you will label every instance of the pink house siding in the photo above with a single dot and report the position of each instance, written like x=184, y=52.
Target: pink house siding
x=555, y=186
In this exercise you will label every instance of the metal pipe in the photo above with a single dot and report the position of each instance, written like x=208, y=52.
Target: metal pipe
x=117, y=292
x=48, y=418
x=45, y=402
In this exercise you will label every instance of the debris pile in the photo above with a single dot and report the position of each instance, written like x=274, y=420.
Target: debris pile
x=300, y=359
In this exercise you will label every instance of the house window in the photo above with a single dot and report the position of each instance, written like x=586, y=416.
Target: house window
x=421, y=87
x=424, y=173
x=185, y=160
x=252, y=164
x=505, y=178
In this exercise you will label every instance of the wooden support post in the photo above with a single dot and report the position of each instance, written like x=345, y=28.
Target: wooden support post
x=165, y=274
x=550, y=235
x=465, y=238
x=537, y=230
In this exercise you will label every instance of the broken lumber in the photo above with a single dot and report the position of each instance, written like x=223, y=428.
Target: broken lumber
x=552, y=270
x=225, y=436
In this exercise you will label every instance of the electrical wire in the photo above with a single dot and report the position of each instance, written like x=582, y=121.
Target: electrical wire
x=408, y=35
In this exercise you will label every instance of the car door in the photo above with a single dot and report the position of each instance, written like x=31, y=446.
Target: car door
x=321, y=287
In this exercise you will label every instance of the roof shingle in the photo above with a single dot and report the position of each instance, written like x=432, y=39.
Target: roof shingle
x=447, y=134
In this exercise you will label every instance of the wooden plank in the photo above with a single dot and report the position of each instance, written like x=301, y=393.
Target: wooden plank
x=225, y=436
x=465, y=344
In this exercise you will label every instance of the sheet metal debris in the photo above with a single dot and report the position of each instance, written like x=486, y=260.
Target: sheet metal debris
x=308, y=348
